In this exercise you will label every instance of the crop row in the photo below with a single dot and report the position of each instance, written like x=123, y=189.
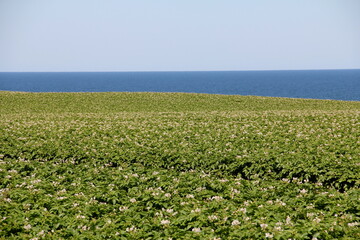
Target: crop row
x=313, y=147
x=43, y=200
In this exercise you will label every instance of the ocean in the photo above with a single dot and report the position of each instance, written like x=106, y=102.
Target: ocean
x=316, y=84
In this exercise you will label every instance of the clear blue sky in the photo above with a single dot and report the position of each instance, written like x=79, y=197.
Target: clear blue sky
x=179, y=35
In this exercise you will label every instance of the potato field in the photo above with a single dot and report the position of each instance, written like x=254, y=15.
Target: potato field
x=178, y=166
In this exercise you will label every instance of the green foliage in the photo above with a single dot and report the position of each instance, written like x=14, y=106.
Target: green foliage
x=180, y=166
x=112, y=102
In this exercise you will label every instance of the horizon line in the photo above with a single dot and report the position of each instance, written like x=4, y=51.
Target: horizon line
x=144, y=71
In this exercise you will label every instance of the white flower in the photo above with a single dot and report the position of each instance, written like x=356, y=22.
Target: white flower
x=217, y=198
x=303, y=191
x=235, y=222
x=42, y=232
x=79, y=194
x=197, y=210
x=170, y=210
x=263, y=225
x=61, y=191
x=167, y=195
x=196, y=229
x=133, y=200
x=27, y=227
x=189, y=196
x=123, y=208
x=212, y=217
x=243, y=210
x=36, y=181
x=27, y=206
x=165, y=222
x=234, y=190
x=268, y=235
x=288, y=220
x=131, y=229
x=353, y=224
x=85, y=228
x=199, y=189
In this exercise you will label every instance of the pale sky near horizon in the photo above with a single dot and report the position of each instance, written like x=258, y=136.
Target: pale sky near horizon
x=183, y=35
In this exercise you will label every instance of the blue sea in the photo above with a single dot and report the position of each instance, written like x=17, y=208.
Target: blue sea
x=317, y=84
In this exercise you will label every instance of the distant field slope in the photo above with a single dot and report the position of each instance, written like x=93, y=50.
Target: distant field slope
x=19, y=102
x=180, y=166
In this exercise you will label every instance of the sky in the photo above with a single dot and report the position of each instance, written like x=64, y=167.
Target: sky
x=178, y=35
